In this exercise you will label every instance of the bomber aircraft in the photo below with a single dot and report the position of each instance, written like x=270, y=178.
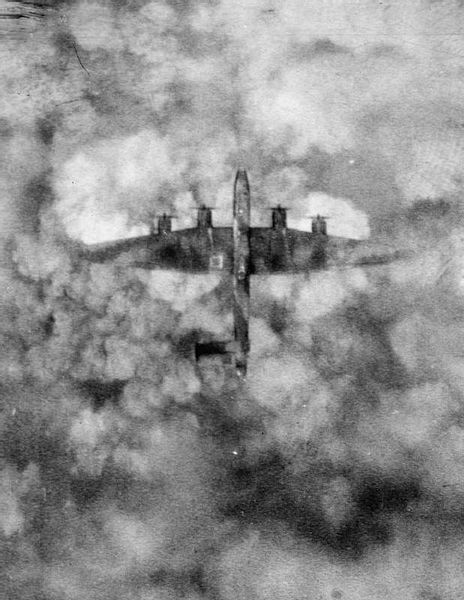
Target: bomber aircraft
x=239, y=252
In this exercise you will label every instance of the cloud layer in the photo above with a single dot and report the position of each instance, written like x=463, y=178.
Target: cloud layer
x=128, y=470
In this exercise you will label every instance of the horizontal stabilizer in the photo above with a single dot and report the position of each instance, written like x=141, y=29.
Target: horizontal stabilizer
x=213, y=348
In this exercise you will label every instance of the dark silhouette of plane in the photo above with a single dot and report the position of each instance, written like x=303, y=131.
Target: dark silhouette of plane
x=239, y=252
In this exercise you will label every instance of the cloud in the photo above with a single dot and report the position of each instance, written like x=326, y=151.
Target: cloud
x=338, y=465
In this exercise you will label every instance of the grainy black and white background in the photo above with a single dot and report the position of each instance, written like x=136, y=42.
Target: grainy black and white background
x=338, y=471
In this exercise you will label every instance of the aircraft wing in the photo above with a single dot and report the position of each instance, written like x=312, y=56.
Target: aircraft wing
x=271, y=251
x=292, y=250
x=343, y=252
x=189, y=250
x=302, y=251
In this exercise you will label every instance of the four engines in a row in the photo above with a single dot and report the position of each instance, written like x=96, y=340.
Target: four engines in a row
x=205, y=221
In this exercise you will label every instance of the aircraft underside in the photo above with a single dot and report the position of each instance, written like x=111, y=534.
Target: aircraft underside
x=237, y=252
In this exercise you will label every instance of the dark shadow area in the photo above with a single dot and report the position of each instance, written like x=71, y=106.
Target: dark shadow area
x=102, y=392
x=182, y=583
x=268, y=491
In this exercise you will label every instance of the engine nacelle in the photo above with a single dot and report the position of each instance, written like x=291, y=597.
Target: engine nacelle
x=319, y=225
x=279, y=217
x=164, y=224
x=205, y=217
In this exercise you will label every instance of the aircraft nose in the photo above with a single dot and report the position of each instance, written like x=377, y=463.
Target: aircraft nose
x=241, y=176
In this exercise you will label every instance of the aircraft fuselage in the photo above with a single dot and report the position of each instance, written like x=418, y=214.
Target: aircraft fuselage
x=241, y=269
